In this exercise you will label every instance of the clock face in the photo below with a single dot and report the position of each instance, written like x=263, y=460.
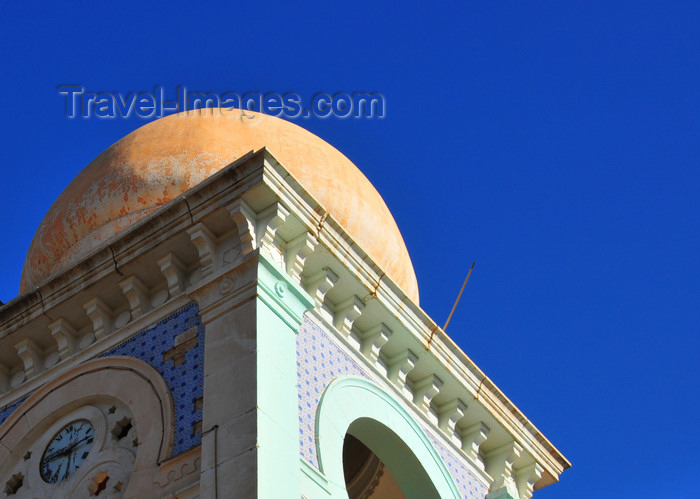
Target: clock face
x=67, y=451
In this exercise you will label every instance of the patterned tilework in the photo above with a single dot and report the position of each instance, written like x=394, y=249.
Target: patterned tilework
x=320, y=360
x=185, y=381
x=6, y=411
x=467, y=483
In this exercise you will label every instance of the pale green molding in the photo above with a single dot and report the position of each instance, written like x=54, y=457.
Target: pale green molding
x=315, y=476
x=355, y=405
x=502, y=493
x=280, y=308
x=274, y=288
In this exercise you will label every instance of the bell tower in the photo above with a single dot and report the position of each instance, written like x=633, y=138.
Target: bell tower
x=218, y=307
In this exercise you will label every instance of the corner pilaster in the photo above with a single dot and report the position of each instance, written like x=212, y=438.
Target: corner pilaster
x=280, y=309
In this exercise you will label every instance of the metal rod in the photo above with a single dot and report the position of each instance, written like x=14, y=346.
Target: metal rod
x=459, y=296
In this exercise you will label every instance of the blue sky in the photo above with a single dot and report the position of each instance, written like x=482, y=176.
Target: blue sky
x=557, y=144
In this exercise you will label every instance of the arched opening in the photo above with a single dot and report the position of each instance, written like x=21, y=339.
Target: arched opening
x=357, y=407
x=366, y=476
x=379, y=465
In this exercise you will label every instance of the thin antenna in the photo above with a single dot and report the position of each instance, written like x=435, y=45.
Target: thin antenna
x=459, y=296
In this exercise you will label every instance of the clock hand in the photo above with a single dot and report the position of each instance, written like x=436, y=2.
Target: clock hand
x=64, y=451
x=85, y=439
x=58, y=469
x=77, y=444
x=56, y=454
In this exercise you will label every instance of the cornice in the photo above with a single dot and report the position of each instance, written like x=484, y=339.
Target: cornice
x=254, y=206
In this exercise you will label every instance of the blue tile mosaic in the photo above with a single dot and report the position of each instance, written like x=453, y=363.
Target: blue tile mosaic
x=319, y=361
x=6, y=411
x=185, y=381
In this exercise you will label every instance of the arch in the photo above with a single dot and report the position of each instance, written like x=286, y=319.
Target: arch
x=355, y=405
x=132, y=381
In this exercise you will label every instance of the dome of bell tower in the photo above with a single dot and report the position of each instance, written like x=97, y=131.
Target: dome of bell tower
x=161, y=160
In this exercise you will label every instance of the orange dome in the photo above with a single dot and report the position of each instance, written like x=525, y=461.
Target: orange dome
x=163, y=159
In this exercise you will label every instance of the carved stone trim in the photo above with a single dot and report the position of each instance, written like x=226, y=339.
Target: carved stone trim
x=174, y=271
x=319, y=284
x=31, y=356
x=66, y=337
x=269, y=220
x=472, y=437
x=297, y=251
x=526, y=477
x=100, y=314
x=205, y=242
x=372, y=341
x=499, y=464
x=397, y=368
x=424, y=390
x=244, y=218
x=346, y=312
x=136, y=293
x=448, y=414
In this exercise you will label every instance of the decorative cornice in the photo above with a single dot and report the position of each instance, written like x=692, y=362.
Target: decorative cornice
x=205, y=247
